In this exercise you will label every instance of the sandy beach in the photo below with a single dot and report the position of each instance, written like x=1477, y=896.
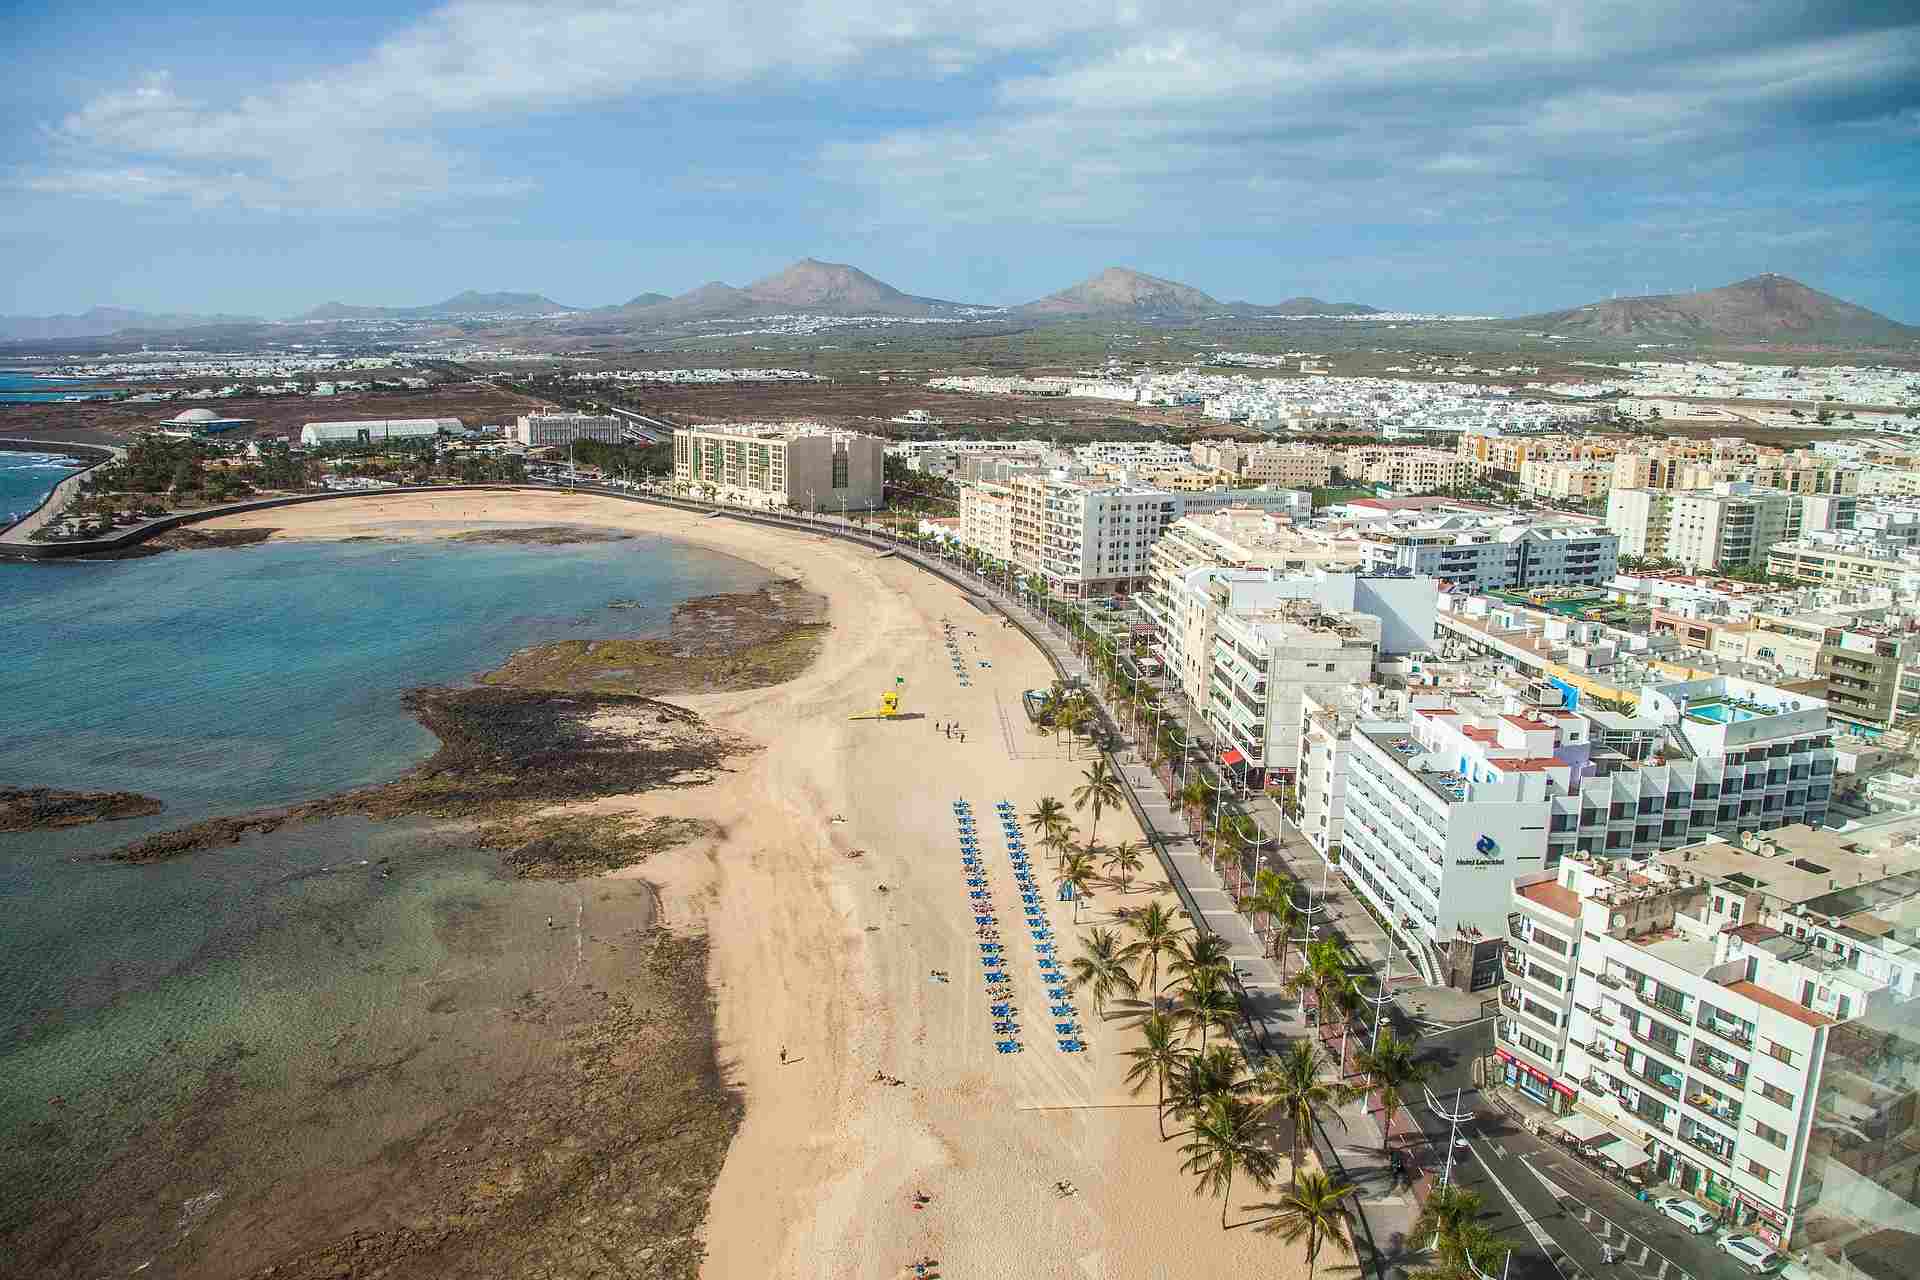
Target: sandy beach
x=828, y=955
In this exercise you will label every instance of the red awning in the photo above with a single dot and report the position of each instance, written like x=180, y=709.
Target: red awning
x=1232, y=758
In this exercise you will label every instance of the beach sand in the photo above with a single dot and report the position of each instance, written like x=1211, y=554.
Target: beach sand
x=828, y=955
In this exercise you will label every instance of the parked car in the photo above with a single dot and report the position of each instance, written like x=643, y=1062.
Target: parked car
x=1686, y=1213
x=1755, y=1254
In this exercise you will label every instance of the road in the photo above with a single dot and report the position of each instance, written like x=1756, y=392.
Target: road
x=1562, y=1215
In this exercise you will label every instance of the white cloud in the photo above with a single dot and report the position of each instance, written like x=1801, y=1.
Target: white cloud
x=1081, y=110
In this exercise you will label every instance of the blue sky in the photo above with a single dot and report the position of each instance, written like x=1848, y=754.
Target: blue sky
x=1493, y=156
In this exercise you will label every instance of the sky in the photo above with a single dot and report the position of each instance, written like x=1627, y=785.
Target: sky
x=1479, y=156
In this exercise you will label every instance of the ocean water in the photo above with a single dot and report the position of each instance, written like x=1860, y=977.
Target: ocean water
x=221, y=681
x=27, y=388
x=25, y=479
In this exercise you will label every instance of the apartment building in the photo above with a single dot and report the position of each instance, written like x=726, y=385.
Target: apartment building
x=1678, y=467
x=1736, y=1020
x=1539, y=553
x=1567, y=479
x=801, y=465
x=545, y=429
x=1087, y=538
x=1263, y=660
x=1838, y=560
x=1731, y=526
x=1539, y=785
x=1640, y=518
x=986, y=520
x=1399, y=467
x=1238, y=538
x=1500, y=459
x=1295, y=466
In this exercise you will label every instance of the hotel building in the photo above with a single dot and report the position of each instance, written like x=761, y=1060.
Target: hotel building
x=800, y=465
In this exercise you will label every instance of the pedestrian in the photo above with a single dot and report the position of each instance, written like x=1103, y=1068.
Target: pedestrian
x=783, y=1055
x=549, y=922
x=963, y=735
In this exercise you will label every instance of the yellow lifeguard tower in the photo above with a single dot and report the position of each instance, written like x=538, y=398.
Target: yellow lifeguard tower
x=889, y=708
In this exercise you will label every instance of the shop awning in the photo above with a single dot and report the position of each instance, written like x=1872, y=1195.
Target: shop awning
x=1624, y=1154
x=1582, y=1128
x=1232, y=758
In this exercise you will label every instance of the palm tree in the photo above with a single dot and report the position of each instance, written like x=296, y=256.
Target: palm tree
x=1199, y=955
x=1206, y=1003
x=1325, y=974
x=1272, y=896
x=1314, y=1207
x=1295, y=1086
x=1101, y=967
x=1193, y=796
x=1156, y=935
x=1123, y=863
x=1225, y=1142
x=1448, y=1211
x=1215, y=1073
x=1061, y=840
x=1048, y=816
x=1389, y=1069
x=1158, y=1057
x=1076, y=870
x=1071, y=715
x=1101, y=790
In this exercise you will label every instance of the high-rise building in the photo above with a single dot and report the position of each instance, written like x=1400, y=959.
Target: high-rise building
x=1736, y=1020
x=1447, y=807
x=545, y=429
x=800, y=465
x=1529, y=554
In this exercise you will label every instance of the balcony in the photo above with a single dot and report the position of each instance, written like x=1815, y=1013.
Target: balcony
x=1670, y=1049
x=1728, y=1031
x=1727, y=1069
x=1699, y=1140
x=1651, y=1000
x=1725, y=1110
x=1612, y=981
x=1671, y=1088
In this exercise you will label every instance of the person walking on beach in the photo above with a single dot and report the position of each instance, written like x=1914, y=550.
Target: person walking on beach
x=783, y=1055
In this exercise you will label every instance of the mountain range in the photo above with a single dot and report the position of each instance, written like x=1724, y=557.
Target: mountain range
x=469, y=303
x=1766, y=308
x=100, y=321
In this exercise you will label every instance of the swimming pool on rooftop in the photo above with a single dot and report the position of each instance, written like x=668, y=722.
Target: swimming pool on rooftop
x=1720, y=712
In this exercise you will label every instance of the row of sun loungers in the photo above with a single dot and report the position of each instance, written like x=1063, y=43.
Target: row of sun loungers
x=953, y=652
x=993, y=955
x=1066, y=1022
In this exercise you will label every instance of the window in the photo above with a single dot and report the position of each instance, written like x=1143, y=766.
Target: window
x=1780, y=1052
x=1770, y=1133
x=1759, y=1171
x=1777, y=1096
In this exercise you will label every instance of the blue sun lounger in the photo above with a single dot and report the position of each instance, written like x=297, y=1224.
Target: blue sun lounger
x=1061, y=1011
x=996, y=975
x=1056, y=993
x=1072, y=1046
x=1008, y=1046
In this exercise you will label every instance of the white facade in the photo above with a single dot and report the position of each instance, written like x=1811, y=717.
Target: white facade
x=799, y=465
x=375, y=430
x=1731, y=527
x=1516, y=555
x=540, y=429
x=1265, y=659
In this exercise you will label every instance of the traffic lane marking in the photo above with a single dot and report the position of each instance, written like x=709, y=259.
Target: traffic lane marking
x=1609, y=1230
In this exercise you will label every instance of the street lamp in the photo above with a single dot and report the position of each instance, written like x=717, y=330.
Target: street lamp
x=1453, y=1118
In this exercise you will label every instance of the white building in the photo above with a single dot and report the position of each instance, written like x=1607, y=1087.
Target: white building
x=542, y=429
x=801, y=465
x=376, y=430
x=1736, y=1020
x=1524, y=787
x=1530, y=554
x=1732, y=526
x=1263, y=661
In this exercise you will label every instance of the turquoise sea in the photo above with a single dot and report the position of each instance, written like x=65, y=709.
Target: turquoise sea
x=25, y=479
x=28, y=388
x=222, y=681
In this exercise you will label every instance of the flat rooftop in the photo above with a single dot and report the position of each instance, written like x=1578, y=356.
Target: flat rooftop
x=1779, y=1004
x=1554, y=896
x=1830, y=872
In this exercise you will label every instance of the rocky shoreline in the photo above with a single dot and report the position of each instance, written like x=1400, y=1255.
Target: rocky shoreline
x=503, y=754
x=44, y=809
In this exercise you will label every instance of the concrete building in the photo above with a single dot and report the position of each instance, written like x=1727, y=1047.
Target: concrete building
x=1832, y=560
x=1731, y=526
x=377, y=430
x=1736, y=1020
x=1497, y=459
x=1401, y=468
x=543, y=429
x=800, y=465
x=1295, y=466
x=1640, y=518
x=1263, y=660
x=1539, y=553
x=1567, y=479
x=1507, y=789
x=1087, y=538
x=986, y=520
